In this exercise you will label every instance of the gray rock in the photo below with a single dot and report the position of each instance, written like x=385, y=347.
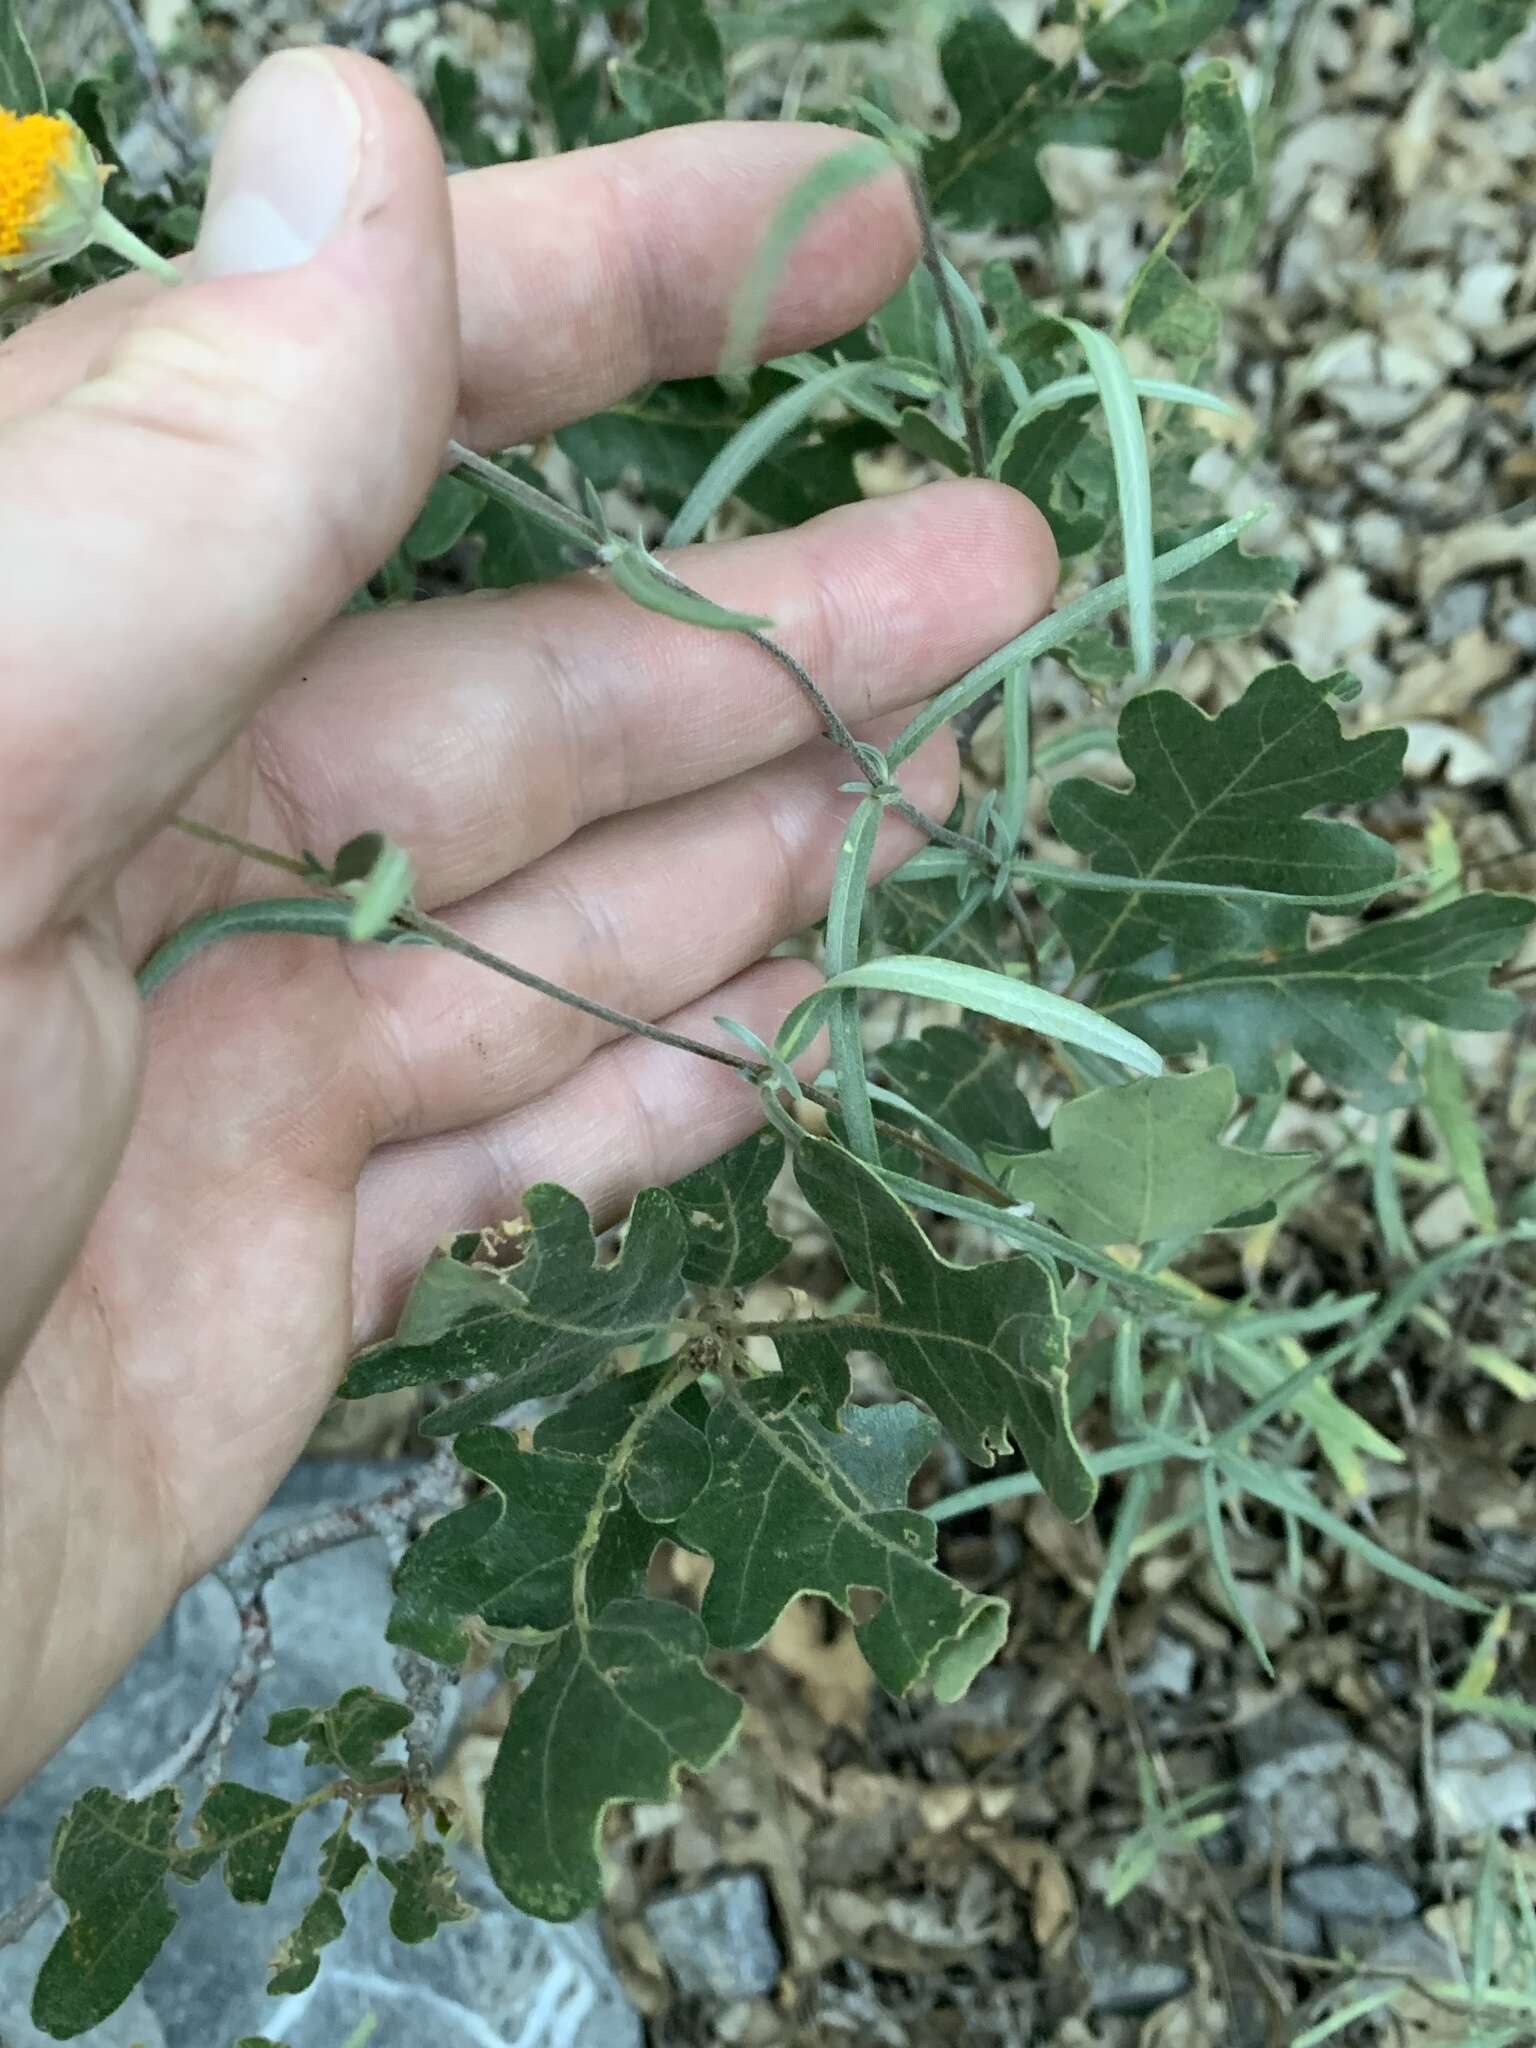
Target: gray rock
x=1137, y=1988
x=1356, y=1900
x=1457, y=609
x=1412, y=1950
x=1310, y=1789
x=1168, y=1668
x=717, y=1940
x=500, y=1978
x=1296, y=1929
x=1483, y=1779
x=1119, y=1979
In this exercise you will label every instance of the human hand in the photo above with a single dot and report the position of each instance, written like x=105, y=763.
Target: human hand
x=210, y=1200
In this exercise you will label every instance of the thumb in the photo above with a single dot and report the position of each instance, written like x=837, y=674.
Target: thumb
x=177, y=527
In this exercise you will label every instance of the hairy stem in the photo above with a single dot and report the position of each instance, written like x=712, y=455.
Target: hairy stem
x=454, y=942
x=965, y=368
x=268, y=856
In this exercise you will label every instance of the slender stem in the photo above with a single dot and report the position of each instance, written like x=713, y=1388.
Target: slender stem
x=527, y=498
x=111, y=234
x=450, y=941
x=834, y=725
x=163, y=107
x=965, y=369
x=836, y=729
x=267, y=855
x=454, y=942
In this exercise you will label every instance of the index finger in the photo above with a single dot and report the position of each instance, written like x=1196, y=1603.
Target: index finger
x=582, y=277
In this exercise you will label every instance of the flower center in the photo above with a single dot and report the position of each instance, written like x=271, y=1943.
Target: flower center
x=34, y=148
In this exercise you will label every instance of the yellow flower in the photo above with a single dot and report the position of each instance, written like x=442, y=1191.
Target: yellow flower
x=50, y=190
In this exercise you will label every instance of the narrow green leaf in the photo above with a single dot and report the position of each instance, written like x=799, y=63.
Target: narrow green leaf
x=1066, y=389
x=1487, y=1916
x=1127, y=1393
x=21, y=82
x=316, y=917
x=1448, y=1103
x=1133, y=483
x=975, y=988
x=1133, y=1457
x=644, y=580
x=1344, y=1437
x=1291, y=1497
x=1346, y=2015
x=1054, y=631
x=614, y=1713
x=1221, y=1558
x=1508, y=1713
x=1144, y=1161
x=1386, y=1196
x=845, y=915
x=776, y=422
x=666, y=438
x=1018, y=750
x=378, y=875
x=824, y=183
x=1129, y=1518
x=911, y=915
x=518, y=488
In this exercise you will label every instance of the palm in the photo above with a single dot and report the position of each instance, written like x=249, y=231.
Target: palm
x=311, y=1118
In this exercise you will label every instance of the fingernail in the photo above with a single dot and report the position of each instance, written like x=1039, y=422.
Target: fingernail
x=284, y=168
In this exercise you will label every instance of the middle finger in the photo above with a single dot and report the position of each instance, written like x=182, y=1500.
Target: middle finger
x=643, y=914
x=496, y=726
